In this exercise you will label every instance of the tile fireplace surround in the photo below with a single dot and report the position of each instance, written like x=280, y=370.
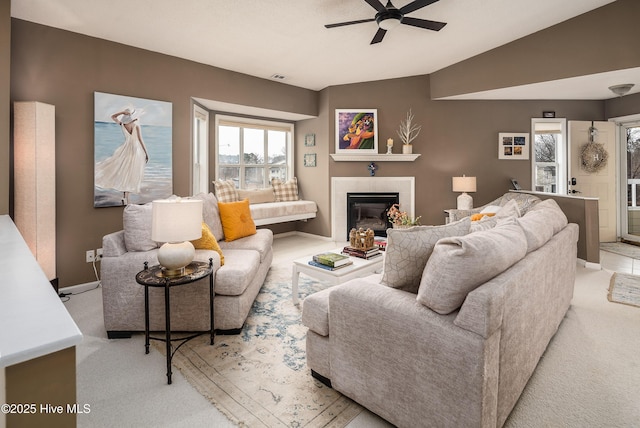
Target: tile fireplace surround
x=340, y=186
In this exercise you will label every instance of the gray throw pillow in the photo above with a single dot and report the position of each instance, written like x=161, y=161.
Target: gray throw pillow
x=136, y=221
x=409, y=249
x=210, y=214
x=459, y=265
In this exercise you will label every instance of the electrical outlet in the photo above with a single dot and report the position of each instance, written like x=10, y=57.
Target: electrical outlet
x=90, y=256
x=99, y=254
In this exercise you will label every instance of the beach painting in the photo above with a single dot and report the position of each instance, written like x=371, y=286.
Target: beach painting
x=132, y=150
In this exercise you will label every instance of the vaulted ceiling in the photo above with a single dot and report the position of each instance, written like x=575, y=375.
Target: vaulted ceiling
x=288, y=38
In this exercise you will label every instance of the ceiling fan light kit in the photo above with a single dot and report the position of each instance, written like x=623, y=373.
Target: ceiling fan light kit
x=388, y=17
x=622, y=89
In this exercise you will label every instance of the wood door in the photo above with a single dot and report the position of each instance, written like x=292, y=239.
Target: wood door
x=600, y=184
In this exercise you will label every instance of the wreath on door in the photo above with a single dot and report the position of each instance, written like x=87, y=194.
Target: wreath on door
x=593, y=157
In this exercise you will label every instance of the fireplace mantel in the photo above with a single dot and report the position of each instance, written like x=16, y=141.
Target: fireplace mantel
x=378, y=157
x=340, y=186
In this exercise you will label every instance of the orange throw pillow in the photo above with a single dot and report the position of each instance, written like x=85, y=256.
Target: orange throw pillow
x=208, y=242
x=236, y=220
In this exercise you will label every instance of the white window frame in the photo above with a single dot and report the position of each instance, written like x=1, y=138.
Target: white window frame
x=200, y=151
x=289, y=127
x=561, y=164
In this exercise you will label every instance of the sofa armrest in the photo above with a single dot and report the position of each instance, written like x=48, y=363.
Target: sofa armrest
x=384, y=343
x=113, y=244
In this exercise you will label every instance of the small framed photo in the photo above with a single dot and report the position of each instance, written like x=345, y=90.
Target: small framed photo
x=513, y=146
x=310, y=140
x=310, y=159
x=357, y=131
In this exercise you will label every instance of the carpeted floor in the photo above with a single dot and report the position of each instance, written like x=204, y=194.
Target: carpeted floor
x=624, y=288
x=260, y=378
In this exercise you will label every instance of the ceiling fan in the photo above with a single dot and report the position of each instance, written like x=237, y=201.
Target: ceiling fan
x=389, y=17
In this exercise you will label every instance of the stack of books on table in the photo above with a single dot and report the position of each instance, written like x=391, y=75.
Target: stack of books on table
x=362, y=253
x=330, y=261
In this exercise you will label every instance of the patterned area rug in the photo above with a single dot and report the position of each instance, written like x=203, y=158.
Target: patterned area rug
x=621, y=248
x=259, y=378
x=624, y=288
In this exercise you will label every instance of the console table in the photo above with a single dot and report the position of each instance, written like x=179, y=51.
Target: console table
x=153, y=277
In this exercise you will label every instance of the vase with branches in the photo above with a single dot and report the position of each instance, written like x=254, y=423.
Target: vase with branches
x=408, y=132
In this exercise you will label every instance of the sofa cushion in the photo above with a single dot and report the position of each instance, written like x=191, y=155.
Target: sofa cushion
x=225, y=190
x=409, y=249
x=236, y=220
x=211, y=214
x=280, y=209
x=261, y=241
x=136, y=221
x=557, y=217
x=240, y=268
x=287, y=191
x=460, y=264
x=208, y=242
x=510, y=209
x=257, y=196
x=524, y=201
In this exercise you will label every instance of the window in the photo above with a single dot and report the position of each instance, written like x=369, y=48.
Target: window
x=252, y=152
x=200, y=158
x=549, y=169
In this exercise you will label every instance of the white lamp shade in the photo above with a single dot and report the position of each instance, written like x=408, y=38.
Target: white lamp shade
x=176, y=220
x=464, y=184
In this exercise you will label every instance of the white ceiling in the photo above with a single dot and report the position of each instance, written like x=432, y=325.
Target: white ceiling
x=285, y=37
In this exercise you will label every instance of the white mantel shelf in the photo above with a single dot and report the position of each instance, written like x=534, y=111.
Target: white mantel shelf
x=348, y=157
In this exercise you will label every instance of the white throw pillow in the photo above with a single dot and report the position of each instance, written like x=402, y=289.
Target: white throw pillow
x=409, y=249
x=136, y=221
x=458, y=265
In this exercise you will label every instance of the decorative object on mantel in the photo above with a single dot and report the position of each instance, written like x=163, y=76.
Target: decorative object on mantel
x=389, y=146
x=513, y=146
x=593, y=156
x=357, y=131
x=408, y=132
x=464, y=184
x=372, y=168
x=400, y=219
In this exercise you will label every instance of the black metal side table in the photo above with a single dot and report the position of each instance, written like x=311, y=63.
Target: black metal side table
x=153, y=277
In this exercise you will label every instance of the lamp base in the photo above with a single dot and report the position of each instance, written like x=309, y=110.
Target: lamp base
x=465, y=201
x=173, y=257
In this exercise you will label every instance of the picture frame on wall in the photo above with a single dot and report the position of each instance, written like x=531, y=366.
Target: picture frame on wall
x=310, y=140
x=310, y=159
x=356, y=131
x=513, y=146
x=132, y=150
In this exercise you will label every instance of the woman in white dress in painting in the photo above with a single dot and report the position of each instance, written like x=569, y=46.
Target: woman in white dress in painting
x=124, y=170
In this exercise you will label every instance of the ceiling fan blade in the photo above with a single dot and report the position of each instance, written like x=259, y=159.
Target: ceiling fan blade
x=415, y=5
x=376, y=5
x=342, y=24
x=423, y=23
x=379, y=36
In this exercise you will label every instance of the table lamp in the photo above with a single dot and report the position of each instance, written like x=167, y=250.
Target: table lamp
x=464, y=184
x=176, y=222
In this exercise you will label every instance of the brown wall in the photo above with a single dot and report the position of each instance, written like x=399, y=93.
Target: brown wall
x=64, y=69
x=5, y=104
x=603, y=39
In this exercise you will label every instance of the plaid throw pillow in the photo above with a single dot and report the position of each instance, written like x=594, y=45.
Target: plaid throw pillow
x=287, y=191
x=225, y=191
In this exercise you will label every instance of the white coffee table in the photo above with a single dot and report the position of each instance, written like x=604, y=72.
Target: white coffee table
x=359, y=268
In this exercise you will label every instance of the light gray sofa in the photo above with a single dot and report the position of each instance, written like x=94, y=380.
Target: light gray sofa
x=457, y=348
x=236, y=283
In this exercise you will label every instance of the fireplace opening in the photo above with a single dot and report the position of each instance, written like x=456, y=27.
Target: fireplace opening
x=369, y=211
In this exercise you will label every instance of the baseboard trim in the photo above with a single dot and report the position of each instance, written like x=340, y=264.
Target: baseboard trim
x=298, y=233
x=79, y=288
x=589, y=265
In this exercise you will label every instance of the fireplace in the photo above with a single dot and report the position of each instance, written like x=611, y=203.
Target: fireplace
x=369, y=211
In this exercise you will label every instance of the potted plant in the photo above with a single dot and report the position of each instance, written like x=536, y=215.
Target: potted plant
x=408, y=132
x=400, y=219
